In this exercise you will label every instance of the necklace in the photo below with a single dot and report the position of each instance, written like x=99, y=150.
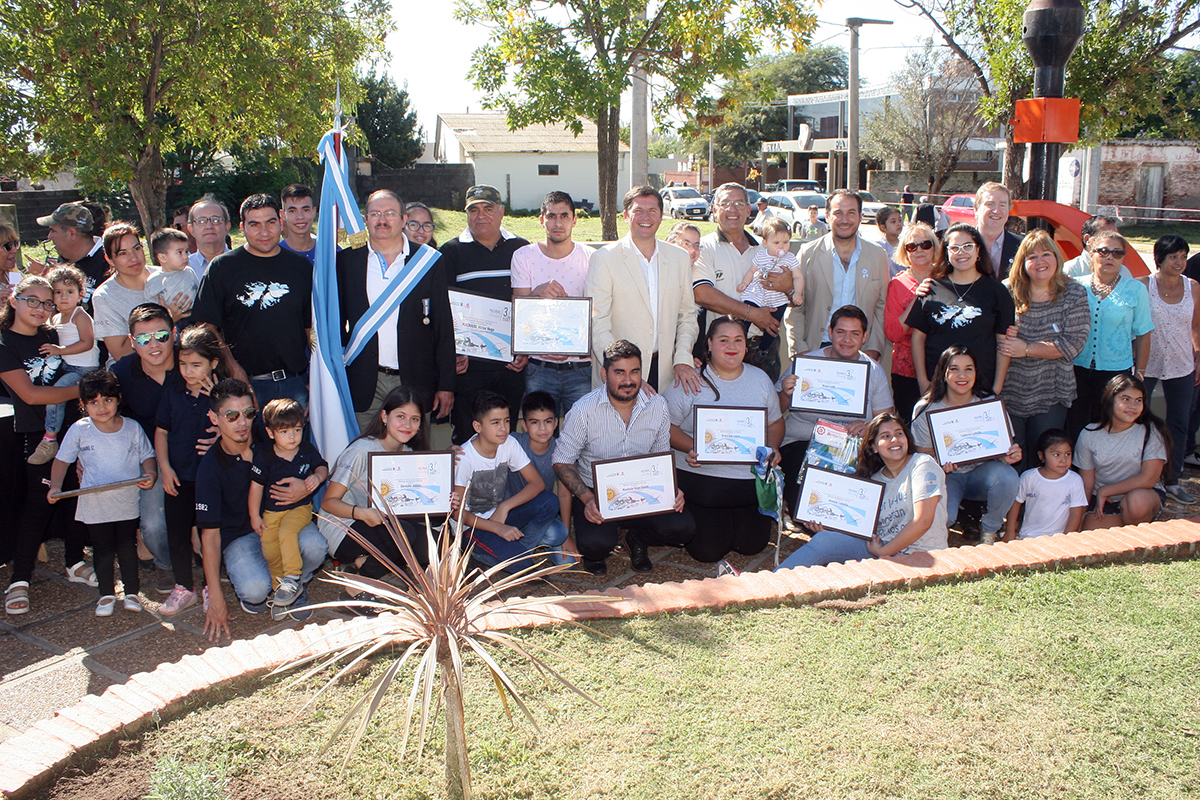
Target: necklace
x=961, y=297
x=1102, y=289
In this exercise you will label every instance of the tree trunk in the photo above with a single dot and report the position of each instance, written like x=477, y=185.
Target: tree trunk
x=458, y=764
x=149, y=190
x=608, y=134
x=1014, y=164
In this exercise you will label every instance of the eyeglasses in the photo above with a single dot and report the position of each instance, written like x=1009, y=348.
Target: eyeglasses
x=1105, y=251
x=143, y=339
x=10, y=246
x=202, y=221
x=969, y=247
x=738, y=204
x=912, y=247
x=34, y=303
x=232, y=414
x=389, y=214
x=415, y=226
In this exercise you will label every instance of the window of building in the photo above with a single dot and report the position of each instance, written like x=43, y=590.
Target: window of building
x=547, y=169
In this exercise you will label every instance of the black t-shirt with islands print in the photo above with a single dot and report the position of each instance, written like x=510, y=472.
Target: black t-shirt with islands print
x=18, y=351
x=263, y=306
x=966, y=314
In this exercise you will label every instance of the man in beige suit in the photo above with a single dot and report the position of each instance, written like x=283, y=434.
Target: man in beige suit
x=840, y=268
x=641, y=291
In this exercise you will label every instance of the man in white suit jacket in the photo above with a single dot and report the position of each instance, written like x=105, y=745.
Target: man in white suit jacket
x=861, y=279
x=641, y=291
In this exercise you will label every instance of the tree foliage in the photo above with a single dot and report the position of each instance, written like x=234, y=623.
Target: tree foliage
x=1178, y=117
x=111, y=85
x=931, y=119
x=1116, y=70
x=389, y=123
x=557, y=62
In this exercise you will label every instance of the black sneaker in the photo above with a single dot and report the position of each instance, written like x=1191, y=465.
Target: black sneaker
x=164, y=580
x=252, y=608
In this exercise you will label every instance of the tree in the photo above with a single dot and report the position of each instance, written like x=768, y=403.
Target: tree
x=932, y=118
x=557, y=62
x=112, y=85
x=1114, y=71
x=1179, y=115
x=389, y=124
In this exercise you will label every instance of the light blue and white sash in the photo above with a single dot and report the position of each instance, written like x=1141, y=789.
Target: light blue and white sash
x=389, y=301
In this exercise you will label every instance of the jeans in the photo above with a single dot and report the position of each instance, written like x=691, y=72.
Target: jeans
x=295, y=387
x=1027, y=431
x=56, y=412
x=564, y=385
x=534, y=519
x=828, y=547
x=247, y=566
x=153, y=514
x=1178, y=393
x=992, y=481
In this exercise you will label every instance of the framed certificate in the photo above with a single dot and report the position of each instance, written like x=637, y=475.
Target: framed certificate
x=974, y=432
x=728, y=434
x=482, y=326
x=843, y=503
x=641, y=486
x=413, y=483
x=557, y=326
x=831, y=386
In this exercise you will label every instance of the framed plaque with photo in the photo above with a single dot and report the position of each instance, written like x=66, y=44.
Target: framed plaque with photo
x=641, y=486
x=557, y=326
x=831, y=386
x=728, y=434
x=413, y=483
x=844, y=503
x=482, y=326
x=974, y=432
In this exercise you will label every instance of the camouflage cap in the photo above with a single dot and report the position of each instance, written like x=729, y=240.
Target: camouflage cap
x=484, y=194
x=72, y=215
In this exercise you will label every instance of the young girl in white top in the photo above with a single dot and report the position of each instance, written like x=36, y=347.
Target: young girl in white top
x=775, y=256
x=1052, y=495
x=76, y=345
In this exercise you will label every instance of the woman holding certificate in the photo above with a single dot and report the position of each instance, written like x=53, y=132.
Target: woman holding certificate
x=737, y=410
x=912, y=513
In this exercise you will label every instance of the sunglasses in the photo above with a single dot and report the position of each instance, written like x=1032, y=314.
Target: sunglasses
x=1106, y=251
x=143, y=339
x=912, y=247
x=232, y=414
x=10, y=246
x=969, y=247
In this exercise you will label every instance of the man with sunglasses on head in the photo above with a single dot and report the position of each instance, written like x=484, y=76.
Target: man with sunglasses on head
x=71, y=232
x=223, y=517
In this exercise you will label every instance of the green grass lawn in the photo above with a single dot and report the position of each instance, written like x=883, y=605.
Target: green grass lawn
x=1080, y=684
x=1144, y=236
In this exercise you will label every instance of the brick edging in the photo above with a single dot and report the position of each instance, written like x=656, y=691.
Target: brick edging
x=34, y=758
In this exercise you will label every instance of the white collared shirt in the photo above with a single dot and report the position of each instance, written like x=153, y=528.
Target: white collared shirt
x=377, y=281
x=650, y=272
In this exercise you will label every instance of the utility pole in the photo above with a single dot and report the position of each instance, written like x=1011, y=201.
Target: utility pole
x=854, y=23
x=639, y=126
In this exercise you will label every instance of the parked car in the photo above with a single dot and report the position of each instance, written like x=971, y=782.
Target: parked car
x=960, y=208
x=793, y=207
x=797, y=185
x=870, y=206
x=684, y=202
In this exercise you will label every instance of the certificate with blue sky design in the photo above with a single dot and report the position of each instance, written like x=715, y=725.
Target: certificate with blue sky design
x=728, y=434
x=641, y=486
x=843, y=503
x=555, y=326
x=482, y=326
x=413, y=483
x=831, y=386
x=967, y=434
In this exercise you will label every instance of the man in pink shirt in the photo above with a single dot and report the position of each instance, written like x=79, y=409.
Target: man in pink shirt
x=557, y=267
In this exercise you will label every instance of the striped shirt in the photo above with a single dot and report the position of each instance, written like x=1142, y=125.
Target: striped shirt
x=594, y=431
x=1034, y=385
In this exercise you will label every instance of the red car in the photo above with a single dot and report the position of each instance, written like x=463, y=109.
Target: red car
x=960, y=208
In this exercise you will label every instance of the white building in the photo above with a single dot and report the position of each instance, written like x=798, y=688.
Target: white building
x=526, y=163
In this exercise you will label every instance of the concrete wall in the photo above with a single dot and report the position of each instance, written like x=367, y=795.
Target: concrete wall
x=887, y=185
x=33, y=204
x=516, y=176
x=436, y=185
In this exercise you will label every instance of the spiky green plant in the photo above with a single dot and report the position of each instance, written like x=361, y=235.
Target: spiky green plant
x=441, y=611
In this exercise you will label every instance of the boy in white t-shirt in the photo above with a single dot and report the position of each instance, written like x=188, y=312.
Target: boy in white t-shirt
x=1053, y=496
x=501, y=526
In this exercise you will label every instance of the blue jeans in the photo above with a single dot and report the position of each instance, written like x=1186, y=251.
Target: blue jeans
x=56, y=412
x=295, y=387
x=247, y=566
x=828, y=547
x=992, y=481
x=153, y=515
x=564, y=385
x=537, y=520
x=1027, y=431
x=1178, y=393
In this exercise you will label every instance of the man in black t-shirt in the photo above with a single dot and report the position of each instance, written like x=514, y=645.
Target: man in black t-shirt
x=258, y=298
x=479, y=261
x=71, y=226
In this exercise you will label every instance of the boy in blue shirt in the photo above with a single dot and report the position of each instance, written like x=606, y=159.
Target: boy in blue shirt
x=540, y=415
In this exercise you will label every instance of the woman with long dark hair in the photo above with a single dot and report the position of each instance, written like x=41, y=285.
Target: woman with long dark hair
x=912, y=517
x=1123, y=457
x=124, y=290
x=722, y=496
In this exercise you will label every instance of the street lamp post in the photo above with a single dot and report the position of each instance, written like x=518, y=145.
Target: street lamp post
x=854, y=23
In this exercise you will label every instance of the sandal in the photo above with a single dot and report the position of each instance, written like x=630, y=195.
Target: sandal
x=82, y=573
x=16, y=598
x=106, y=605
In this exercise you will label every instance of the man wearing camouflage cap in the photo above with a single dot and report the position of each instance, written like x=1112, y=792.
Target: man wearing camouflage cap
x=71, y=232
x=479, y=261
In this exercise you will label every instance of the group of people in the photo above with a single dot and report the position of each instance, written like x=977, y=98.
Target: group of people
x=191, y=376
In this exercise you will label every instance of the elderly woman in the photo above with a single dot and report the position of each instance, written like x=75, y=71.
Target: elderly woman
x=917, y=250
x=10, y=248
x=1174, y=348
x=722, y=496
x=1052, y=325
x=419, y=228
x=124, y=290
x=1121, y=322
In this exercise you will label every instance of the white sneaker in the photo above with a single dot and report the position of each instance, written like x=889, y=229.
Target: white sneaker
x=989, y=537
x=1191, y=459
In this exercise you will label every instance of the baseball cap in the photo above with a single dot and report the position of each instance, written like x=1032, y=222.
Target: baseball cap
x=484, y=194
x=73, y=215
